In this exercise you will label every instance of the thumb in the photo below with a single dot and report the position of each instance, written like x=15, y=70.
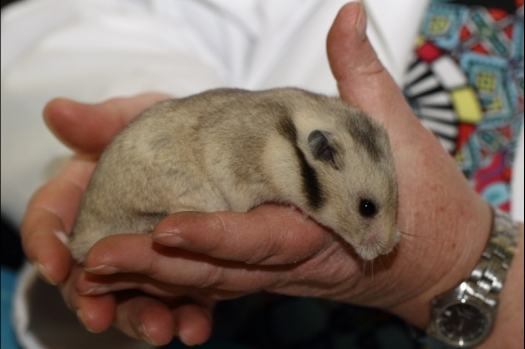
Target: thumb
x=362, y=79
x=88, y=128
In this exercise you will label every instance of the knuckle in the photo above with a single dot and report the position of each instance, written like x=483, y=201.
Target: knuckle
x=152, y=269
x=270, y=245
x=372, y=67
x=212, y=277
x=217, y=240
x=264, y=254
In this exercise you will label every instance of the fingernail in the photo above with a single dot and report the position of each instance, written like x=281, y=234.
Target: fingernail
x=145, y=335
x=61, y=236
x=171, y=239
x=361, y=23
x=42, y=272
x=81, y=319
x=96, y=290
x=103, y=269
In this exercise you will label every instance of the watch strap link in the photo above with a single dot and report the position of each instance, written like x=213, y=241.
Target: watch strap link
x=487, y=278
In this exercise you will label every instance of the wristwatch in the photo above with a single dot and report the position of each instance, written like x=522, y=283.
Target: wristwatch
x=464, y=316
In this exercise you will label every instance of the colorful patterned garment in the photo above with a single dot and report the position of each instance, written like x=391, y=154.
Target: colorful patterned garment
x=466, y=85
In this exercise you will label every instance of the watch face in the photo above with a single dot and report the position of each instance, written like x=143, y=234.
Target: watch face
x=463, y=323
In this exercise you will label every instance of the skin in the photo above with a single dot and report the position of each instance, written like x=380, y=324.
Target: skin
x=273, y=248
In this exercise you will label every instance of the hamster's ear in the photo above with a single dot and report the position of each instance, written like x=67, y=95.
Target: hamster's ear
x=320, y=147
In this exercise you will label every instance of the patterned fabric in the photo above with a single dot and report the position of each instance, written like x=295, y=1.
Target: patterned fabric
x=466, y=85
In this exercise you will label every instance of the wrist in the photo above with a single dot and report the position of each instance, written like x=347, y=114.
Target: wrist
x=498, y=269
x=453, y=257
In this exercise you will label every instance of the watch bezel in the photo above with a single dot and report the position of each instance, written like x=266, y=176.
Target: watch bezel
x=457, y=297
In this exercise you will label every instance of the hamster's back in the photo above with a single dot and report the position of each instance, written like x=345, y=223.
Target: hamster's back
x=157, y=164
x=223, y=149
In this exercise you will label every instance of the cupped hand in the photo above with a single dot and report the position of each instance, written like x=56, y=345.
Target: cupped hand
x=225, y=254
x=50, y=215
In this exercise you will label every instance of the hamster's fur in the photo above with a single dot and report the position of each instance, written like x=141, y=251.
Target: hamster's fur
x=231, y=150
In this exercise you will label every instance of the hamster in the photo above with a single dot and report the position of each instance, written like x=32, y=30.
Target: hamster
x=232, y=150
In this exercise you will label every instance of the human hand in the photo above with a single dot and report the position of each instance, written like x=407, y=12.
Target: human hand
x=445, y=223
x=87, y=129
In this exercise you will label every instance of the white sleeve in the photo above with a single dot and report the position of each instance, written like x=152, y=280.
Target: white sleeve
x=42, y=320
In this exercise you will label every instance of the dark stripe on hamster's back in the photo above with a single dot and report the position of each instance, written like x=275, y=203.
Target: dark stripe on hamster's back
x=311, y=185
x=366, y=133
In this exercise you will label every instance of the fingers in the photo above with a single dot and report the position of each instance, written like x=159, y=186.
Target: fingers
x=194, y=324
x=88, y=128
x=96, y=314
x=95, y=285
x=144, y=317
x=134, y=253
x=131, y=261
x=141, y=317
x=50, y=217
x=267, y=235
x=362, y=79
x=138, y=315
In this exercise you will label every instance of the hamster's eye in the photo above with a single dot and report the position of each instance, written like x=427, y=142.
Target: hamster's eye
x=367, y=208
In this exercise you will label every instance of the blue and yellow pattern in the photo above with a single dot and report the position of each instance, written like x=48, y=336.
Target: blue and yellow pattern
x=479, y=119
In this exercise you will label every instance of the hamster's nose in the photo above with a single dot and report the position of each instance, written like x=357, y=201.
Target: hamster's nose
x=370, y=246
x=375, y=244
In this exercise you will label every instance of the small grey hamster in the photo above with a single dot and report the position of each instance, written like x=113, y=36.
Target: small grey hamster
x=232, y=150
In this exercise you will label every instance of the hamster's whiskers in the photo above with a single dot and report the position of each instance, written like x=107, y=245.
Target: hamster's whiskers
x=414, y=243
x=403, y=234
